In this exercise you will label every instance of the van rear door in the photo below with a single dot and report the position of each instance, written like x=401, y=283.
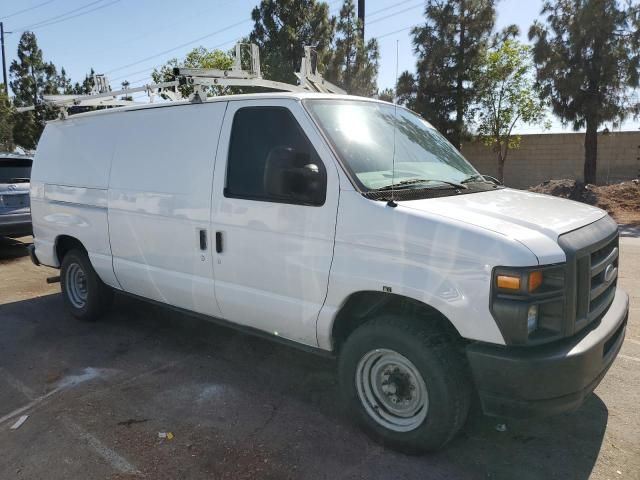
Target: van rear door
x=274, y=213
x=159, y=204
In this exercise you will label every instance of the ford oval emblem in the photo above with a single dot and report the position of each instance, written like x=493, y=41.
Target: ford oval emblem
x=610, y=273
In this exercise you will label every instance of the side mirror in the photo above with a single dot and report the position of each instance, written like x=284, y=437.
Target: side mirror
x=293, y=177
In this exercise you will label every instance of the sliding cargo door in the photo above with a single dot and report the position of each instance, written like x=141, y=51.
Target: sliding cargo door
x=160, y=201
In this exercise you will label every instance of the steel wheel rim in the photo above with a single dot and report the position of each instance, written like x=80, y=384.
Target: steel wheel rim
x=392, y=390
x=76, y=285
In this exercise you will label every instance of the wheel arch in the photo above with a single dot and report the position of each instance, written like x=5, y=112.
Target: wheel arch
x=64, y=244
x=359, y=307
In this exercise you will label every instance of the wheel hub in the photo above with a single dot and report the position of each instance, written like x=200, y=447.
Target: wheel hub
x=76, y=285
x=392, y=390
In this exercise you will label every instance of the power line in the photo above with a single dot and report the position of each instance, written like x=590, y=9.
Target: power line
x=199, y=13
x=240, y=23
x=397, y=4
x=33, y=25
x=378, y=37
x=148, y=69
x=186, y=44
x=76, y=15
x=394, y=14
x=27, y=9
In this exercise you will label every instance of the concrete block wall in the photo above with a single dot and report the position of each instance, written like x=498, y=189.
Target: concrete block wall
x=560, y=155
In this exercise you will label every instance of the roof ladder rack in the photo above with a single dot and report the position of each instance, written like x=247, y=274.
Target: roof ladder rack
x=200, y=78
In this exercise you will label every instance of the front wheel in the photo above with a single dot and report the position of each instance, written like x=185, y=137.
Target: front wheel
x=86, y=296
x=405, y=382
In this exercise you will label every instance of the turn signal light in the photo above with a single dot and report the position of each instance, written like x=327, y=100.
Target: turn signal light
x=535, y=280
x=508, y=282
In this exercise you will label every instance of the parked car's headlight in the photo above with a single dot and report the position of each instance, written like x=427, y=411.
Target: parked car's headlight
x=528, y=303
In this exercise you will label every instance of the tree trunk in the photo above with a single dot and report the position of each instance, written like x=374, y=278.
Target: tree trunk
x=459, y=125
x=500, y=166
x=591, y=152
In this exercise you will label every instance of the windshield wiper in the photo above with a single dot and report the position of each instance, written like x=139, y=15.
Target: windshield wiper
x=413, y=181
x=19, y=180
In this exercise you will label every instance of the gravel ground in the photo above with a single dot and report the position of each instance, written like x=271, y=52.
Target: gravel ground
x=239, y=407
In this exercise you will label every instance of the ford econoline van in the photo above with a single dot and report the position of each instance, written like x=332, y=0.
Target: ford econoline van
x=346, y=226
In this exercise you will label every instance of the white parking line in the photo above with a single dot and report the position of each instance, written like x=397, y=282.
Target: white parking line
x=67, y=382
x=113, y=458
x=29, y=405
x=17, y=384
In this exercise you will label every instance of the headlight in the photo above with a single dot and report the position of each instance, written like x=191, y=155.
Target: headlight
x=528, y=303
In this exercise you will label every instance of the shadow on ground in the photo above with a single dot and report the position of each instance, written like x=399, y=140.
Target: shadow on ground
x=11, y=248
x=245, y=407
x=629, y=230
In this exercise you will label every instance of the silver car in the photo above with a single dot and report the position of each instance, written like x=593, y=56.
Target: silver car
x=15, y=212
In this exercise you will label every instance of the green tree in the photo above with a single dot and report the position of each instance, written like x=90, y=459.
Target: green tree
x=354, y=63
x=387, y=95
x=282, y=28
x=507, y=97
x=64, y=86
x=587, y=62
x=199, y=57
x=87, y=84
x=450, y=47
x=124, y=85
x=6, y=122
x=32, y=78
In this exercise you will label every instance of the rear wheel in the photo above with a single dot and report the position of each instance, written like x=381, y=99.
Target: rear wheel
x=86, y=296
x=405, y=382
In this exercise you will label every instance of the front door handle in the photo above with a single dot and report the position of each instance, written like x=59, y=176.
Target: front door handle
x=219, y=242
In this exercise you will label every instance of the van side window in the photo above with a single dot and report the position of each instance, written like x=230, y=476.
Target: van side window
x=270, y=159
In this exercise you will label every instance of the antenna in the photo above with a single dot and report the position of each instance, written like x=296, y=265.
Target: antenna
x=392, y=202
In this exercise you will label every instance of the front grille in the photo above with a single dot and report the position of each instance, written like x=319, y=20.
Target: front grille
x=592, y=272
x=604, y=276
x=597, y=278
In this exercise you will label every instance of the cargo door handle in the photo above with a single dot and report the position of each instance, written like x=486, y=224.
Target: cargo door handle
x=203, y=239
x=219, y=242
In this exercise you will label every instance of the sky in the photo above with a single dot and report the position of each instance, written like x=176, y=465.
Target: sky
x=125, y=39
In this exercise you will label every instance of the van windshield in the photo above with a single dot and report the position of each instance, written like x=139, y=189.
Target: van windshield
x=364, y=136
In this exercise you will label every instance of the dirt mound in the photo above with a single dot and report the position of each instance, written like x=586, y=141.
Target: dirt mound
x=621, y=200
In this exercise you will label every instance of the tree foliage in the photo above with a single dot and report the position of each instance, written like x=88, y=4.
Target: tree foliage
x=387, y=95
x=86, y=86
x=450, y=47
x=32, y=77
x=281, y=30
x=507, y=96
x=199, y=57
x=587, y=59
x=354, y=64
x=6, y=122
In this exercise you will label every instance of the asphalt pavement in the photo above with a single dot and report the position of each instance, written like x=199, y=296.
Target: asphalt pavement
x=232, y=406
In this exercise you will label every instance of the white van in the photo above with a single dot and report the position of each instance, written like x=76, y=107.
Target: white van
x=346, y=226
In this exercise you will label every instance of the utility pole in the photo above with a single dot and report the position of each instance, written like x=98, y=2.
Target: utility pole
x=4, y=61
x=361, y=17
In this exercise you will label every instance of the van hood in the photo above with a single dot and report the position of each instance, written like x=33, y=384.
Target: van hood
x=514, y=213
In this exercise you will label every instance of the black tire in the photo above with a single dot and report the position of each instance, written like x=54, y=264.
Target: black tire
x=434, y=355
x=96, y=298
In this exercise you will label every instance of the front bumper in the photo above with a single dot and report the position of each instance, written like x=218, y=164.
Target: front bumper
x=15, y=224
x=521, y=382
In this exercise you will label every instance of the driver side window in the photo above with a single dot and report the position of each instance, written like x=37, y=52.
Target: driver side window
x=270, y=159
